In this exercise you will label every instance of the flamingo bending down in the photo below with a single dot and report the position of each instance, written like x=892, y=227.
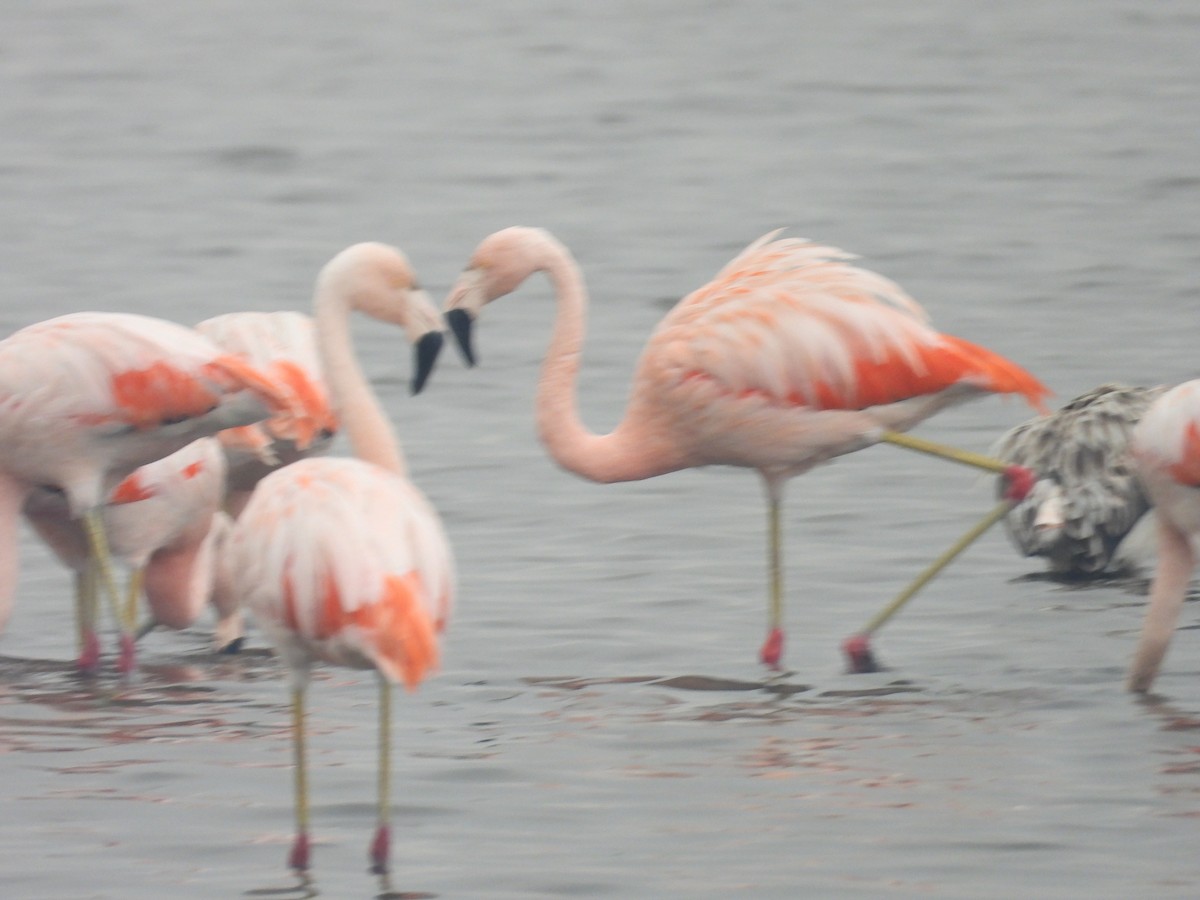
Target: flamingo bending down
x=789, y=357
x=343, y=560
x=282, y=345
x=1166, y=451
x=1087, y=512
x=164, y=524
x=87, y=398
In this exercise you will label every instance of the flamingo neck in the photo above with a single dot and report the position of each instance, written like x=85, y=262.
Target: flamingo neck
x=358, y=410
x=628, y=453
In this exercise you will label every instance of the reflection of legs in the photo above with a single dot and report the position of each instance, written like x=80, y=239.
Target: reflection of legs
x=98, y=546
x=381, y=843
x=298, y=858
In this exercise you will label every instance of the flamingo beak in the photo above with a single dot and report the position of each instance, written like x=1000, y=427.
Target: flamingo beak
x=460, y=322
x=425, y=354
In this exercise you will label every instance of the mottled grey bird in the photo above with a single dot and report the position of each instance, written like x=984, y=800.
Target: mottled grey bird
x=1085, y=508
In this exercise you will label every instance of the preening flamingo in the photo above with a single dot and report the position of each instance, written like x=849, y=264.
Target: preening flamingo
x=789, y=357
x=1166, y=450
x=1087, y=514
x=87, y=398
x=283, y=346
x=165, y=526
x=344, y=560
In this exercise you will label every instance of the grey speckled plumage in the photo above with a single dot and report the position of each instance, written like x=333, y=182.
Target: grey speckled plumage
x=1087, y=500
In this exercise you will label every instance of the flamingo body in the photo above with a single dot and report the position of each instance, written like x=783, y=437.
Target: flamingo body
x=343, y=560
x=1166, y=448
x=1087, y=512
x=87, y=398
x=789, y=357
x=283, y=346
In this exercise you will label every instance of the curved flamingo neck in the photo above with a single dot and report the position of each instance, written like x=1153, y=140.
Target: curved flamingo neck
x=358, y=410
x=625, y=454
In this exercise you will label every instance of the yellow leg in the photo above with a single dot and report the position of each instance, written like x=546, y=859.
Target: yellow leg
x=966, y=457
x=298, y=859
x=133, y=595
x=937, y=565
x=98, y=544
x=380, y=845
x=775, y=562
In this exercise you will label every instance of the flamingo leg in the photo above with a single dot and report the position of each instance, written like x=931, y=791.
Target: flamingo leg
x=102, y=558
x=132, y=595
x=85, y=619
x=772, y=648
x=954, y=454
x=1175, y=563
x=381, y=843
x=299, y=857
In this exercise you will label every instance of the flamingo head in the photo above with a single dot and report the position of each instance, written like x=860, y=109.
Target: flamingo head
x=499, y=265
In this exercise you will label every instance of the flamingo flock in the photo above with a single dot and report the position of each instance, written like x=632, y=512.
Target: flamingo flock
x=198, y=458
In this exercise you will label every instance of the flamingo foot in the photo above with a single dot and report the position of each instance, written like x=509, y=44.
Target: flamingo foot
x=1020, y=481
x=127, y=660
x=298, y=857
x=772, y=648
x=380, y=846
x=89, y=656
x=859, y=657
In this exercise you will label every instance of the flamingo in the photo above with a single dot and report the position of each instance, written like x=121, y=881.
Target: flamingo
x=164, y=524
x=1087, y=512
x=87, y=398
x=343, y=559
x=1166, y=452
x=789, y=357
x=283, y=345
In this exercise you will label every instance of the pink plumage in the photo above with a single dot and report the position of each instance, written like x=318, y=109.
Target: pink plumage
x=789, y=357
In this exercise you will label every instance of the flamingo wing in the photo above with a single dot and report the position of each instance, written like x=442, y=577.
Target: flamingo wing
x=794, y=322
x=343, y=561
x=1167, y=440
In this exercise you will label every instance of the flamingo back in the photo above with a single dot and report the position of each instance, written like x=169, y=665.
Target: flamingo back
x=1167, y=440
x=283, y=346
x=342, y=561
x=792, y=322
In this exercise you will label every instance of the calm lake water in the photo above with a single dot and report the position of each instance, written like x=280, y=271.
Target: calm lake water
x=600, y=727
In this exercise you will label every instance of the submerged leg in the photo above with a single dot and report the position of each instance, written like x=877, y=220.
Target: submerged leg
x=381, y=843
x=772, y=648
x=299, y=857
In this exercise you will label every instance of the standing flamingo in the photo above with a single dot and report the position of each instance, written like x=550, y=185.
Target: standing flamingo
x=87, y=398
x=788, y=358
x=1166, y=450
x=283, y=346
x=1087, y=512
x=344, y=560
x=164, y=524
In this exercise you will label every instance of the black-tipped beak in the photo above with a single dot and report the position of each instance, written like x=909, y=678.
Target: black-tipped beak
x=425, y=355
x=460, y=322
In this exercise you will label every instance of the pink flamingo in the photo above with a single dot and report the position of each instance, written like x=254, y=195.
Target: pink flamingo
x=788, y=358
x=164, y=523
x=87, y=398
x=283, y=346
x=1166, y=452
x=344, y=560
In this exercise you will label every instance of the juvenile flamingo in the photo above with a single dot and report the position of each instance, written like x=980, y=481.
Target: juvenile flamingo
x=789, y=357
x=283, y=346
x=1166, y=449
x=344, y=560
x=1087, y=514
x=87, y=398
x=164, y=524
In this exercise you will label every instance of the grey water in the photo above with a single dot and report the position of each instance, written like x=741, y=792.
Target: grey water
x=600, y=726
